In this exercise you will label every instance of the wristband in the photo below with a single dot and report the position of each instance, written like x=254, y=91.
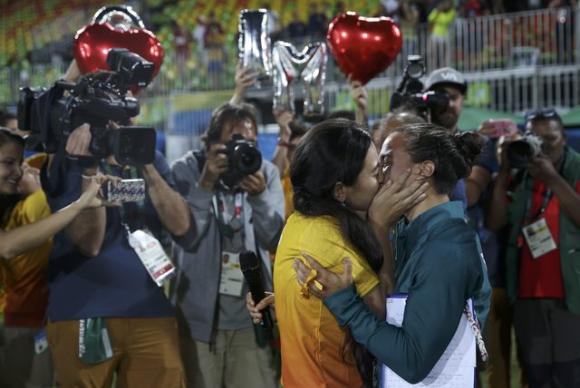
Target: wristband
x=282, y=143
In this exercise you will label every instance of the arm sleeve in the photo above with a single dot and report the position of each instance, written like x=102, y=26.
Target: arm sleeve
x=268, y=209
x=35, y=207
x=434, y=307
x=186, y=177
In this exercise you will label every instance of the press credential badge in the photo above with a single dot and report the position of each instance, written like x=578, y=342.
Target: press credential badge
x=232, y=279
x=539, y=238
x=152, y=255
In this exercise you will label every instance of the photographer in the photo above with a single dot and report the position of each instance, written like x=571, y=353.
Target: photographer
x=235, y=212
x=103, y=302
x=542, y=258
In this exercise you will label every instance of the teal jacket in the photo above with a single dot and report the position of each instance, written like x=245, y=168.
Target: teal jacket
x=439, y=265
x=569, y=237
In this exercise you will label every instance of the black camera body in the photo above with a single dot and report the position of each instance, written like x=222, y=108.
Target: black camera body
x=98, y=98
x=243, y=158
x=521, y=151
x=410, y=95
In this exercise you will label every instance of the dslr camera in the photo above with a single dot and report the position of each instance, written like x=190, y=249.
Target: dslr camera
x=521, y=151
x=409, y=93
x=243, y=158
x=52, y=114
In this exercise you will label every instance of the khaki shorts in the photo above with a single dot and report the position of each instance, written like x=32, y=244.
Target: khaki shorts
x=145, y=354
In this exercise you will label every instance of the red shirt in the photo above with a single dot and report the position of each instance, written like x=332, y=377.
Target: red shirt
x=542, y=277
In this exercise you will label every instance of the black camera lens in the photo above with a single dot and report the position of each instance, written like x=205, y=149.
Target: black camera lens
x=247, y=158
x=519, y=153
x=436, y=101
x=415, y=70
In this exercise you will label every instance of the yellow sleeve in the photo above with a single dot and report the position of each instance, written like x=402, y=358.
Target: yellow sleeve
x=326, y=244
x=364, y=277
x=34, y=208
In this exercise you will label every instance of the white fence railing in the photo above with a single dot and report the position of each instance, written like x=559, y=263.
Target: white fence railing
x=516, y=61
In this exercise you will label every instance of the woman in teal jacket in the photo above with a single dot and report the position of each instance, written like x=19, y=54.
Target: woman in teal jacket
x=438, y=261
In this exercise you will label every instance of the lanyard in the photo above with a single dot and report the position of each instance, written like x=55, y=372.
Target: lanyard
x=236, y=222
x=547, y=196
x=546, y=200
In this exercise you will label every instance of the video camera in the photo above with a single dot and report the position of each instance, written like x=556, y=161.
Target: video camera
x=410, y=95
x=98, y=98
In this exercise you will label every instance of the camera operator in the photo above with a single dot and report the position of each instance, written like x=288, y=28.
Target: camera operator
x=106, y=314
x=244, y=212
x=543, y=253
x=451, y=83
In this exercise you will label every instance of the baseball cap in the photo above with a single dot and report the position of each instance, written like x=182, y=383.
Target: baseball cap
x=446, y=76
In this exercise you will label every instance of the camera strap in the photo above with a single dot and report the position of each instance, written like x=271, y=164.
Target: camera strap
x=236, y=221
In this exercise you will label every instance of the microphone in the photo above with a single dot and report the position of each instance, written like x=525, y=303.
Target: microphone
x=250, y=266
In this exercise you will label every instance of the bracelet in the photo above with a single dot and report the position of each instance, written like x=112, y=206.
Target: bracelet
x=88, y=176
x=282, y=143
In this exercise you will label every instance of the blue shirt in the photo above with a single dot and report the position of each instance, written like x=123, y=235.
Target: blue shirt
x=114, y=283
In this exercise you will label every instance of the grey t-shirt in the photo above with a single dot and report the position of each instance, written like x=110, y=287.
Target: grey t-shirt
x=232, y=312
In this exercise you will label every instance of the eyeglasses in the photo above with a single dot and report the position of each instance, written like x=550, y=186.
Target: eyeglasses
x=546, y=113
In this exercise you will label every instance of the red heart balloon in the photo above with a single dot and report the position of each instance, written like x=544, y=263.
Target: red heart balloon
x=363, y=47
x=93, y=42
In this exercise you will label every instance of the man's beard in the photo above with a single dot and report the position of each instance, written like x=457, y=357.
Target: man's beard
x=446, y=119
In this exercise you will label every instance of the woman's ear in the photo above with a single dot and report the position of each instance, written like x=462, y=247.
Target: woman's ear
x=339, y=192
x=426, y=169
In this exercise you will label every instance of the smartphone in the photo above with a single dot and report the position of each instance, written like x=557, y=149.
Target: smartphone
x=502, y=127
x=127, y=190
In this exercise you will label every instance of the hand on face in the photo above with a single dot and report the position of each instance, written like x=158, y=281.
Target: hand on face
x=396, y=198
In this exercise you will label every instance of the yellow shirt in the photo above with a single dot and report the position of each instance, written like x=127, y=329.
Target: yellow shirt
x=313, y=351
x=441, y=21
x=24, y=277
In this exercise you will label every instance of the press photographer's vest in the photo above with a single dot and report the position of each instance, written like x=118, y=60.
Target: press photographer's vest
x=569, y=237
